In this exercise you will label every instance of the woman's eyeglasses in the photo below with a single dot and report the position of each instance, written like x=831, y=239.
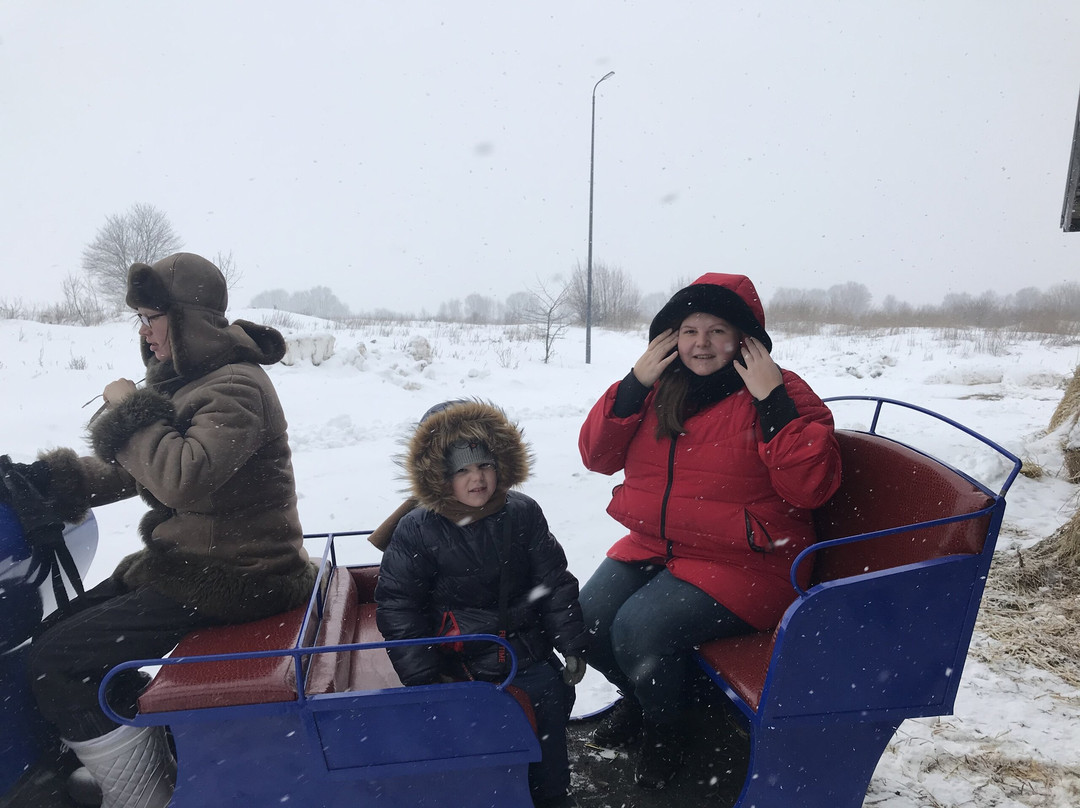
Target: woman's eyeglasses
x=148, y=320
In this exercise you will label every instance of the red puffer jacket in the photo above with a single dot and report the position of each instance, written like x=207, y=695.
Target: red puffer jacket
x=724, y=510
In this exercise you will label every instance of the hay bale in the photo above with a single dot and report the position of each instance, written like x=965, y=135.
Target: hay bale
x=1068, y=409
x=1068, y=539
x=1031, y=606
x=1072, y=465
x=1066, y=418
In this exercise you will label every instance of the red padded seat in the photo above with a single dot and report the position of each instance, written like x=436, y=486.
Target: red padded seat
x=222, y=684
x=743, y=662
x=346, y=619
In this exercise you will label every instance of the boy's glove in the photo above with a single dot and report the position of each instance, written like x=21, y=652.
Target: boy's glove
x=573, y=670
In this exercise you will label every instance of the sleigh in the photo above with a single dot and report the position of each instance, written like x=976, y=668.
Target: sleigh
x=304, y=708
x=881, y=632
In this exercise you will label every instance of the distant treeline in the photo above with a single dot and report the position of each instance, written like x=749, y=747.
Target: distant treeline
x=1053, y=311
x=617, y=303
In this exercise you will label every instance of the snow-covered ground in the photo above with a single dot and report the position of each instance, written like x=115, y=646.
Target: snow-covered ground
x=352, y=395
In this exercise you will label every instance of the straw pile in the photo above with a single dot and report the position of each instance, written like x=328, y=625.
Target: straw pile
x=1066, y=415
x=1031, y=605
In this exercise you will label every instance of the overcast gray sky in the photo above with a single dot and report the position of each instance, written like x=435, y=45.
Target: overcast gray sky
x=403, y=154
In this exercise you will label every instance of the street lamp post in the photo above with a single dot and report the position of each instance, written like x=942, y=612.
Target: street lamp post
x=588, y=270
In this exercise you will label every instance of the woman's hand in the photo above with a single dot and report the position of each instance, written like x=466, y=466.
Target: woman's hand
x=115, y=392
x=660, y=353
x=761, y=375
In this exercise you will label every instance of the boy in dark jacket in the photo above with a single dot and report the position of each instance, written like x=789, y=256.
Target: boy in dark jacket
x=477, y=558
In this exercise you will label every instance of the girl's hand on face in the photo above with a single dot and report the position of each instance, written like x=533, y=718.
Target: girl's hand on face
x=117, y=391
x=761, y=375
x=661, y=352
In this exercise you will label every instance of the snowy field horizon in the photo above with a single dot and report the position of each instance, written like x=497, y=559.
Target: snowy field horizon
x=352, y=396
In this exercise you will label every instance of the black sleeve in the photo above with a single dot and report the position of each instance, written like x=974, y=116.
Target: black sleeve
x=776, y=411
x=564, y=624
x=630, y=397
x=402, y=597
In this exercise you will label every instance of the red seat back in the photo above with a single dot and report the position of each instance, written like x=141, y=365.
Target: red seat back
x=329, y=672
x=888, y=485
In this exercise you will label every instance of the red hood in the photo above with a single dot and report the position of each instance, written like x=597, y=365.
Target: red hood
x=732, y=297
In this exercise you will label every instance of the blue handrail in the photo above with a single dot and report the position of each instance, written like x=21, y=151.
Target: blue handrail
x=299, y=652
x=879, y=401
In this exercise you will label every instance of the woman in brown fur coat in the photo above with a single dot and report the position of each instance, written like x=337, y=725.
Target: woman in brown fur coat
x=204, y=443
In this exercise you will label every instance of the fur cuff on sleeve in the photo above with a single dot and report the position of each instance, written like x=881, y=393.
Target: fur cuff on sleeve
x=111, y=430
x=67, y=484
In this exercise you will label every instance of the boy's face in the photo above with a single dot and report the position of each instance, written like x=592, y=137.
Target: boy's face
x=474, y=484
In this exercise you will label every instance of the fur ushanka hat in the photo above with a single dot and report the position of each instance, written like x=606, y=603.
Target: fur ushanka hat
x=194, y=294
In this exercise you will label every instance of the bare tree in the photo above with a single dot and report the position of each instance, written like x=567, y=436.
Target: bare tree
x=798, y=305
x=450, y=311
x=616, y=299
x=228, y=268
x=849, y=301
x=479, y=309
x=271, y=299
x=680, y=282
x=653, y=302
x=516, y=307
x=143, y=234
x=319, y=301
x=549, y=310
x=12, y=309
x=81, y=304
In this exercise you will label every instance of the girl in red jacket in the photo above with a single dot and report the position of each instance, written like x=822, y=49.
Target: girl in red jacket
x=724, y=456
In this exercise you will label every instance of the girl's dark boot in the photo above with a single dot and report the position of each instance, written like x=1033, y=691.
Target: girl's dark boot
x=621, y=726
x=661, y=754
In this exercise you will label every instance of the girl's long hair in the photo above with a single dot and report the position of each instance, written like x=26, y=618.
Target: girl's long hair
x=670, y=401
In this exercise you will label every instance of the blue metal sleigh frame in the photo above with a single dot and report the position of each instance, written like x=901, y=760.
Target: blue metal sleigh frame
x=855, y=654
x=880, y=637
x=457, y=745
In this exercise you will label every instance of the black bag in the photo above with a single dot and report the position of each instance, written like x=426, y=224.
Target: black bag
x=25, y=489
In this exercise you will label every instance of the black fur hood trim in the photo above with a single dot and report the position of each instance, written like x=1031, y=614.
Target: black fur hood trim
x=67, y=484
x=111, y=430
x=424, y=461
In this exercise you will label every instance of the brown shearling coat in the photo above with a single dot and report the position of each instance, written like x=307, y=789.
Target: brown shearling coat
x=204, y=443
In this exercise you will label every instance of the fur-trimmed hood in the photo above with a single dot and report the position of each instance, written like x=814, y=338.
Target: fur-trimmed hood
x=194, y=294
x=424, y=461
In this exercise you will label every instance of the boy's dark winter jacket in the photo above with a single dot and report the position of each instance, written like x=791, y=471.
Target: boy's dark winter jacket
x=441, y=576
